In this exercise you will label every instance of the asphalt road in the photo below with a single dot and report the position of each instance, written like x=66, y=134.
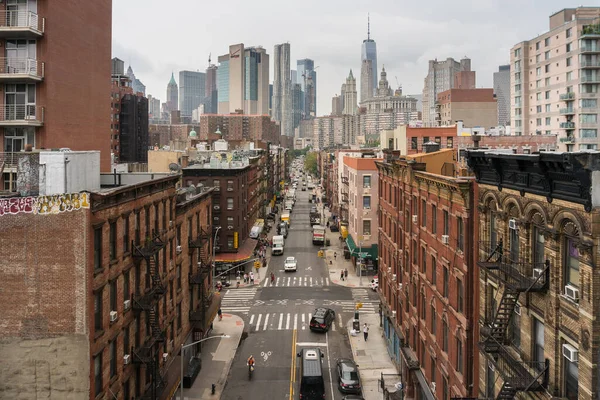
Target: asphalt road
x=277, y=317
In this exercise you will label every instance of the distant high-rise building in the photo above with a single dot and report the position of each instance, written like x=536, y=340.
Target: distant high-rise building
x=172, y=94
x=297, y=104
x=153, y=107
x=133, y=129
x=210, y=90
x=502, y=93
x=440, y=77
x=369, y=52
x=136, y=84
x=307, y=76
x=366, y=80
x=350, y=100
x=282, y=89
x=342, y=97
x=336, y=106
x=191, y=91
x=243, y=80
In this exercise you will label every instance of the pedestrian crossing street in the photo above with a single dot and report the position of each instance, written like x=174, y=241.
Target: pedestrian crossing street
x=238, y=300
x=285, y=322
x=288, y=281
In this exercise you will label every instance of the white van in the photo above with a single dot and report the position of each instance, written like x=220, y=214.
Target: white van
x=278, y=244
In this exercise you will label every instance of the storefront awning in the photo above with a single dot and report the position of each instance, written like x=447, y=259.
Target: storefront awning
x=244, y=253
x=370, y=252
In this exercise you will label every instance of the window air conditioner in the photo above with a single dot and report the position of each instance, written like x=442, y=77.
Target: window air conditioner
x=537, y=272
x=127, y=305
x=394, y=277
x=230, y=189
x=399, y=286
x=445, y=239
x=170, y=224
x=178, y=248
x=572, y=293
x=126, y=359
x=512, y=224
x=217, y=207
x=230, y=227
x=165, y=356
x=570, y=353
x=113, y=316
x=415, y=218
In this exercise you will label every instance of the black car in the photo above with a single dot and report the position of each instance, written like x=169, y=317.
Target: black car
x=353, y=397
x=348, y=379
x=322, y=319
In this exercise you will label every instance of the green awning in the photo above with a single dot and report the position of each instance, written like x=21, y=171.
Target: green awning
x=371, y=252
x=350, y=243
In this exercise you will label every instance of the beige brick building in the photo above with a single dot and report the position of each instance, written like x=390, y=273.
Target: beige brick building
x=539, y=302
x=475, y=107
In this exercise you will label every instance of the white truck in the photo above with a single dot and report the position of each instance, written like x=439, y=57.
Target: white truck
x=278, y=244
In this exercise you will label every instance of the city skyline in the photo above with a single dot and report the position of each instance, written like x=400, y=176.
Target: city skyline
x=453, y=31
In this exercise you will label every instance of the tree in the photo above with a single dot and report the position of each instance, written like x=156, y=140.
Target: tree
x=310, y=163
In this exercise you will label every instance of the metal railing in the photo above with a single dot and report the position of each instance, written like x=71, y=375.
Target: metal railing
x=590, y=63
x=567, y=96
x=21, y=19
x=21, y=112
x=567, y=125
x=21, y=66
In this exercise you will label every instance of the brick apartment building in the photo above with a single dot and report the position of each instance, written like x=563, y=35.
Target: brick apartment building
x=426, y=273
x=44, y=53
x=539, y=302
x=475, y=107
x=131, y=286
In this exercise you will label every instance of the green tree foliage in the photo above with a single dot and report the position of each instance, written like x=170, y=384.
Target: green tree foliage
x=310, y=163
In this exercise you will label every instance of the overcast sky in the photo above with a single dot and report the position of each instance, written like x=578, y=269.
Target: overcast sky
x=156, y=37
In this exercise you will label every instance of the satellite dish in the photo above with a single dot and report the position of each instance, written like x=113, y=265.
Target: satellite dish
x=174, y=167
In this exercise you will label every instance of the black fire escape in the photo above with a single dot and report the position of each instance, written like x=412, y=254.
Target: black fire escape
x=517, y=277
x=344, y=210
x=202, y=243
x=147, y=354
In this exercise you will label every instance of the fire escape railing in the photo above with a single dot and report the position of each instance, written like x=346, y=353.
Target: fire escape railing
x=518, y=277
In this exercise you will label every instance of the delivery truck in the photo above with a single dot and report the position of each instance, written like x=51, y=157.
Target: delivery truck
x=278, y=244
x=318, y=235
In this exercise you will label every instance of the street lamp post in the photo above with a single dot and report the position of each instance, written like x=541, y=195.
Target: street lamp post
x=360, y=261
x=181, y=356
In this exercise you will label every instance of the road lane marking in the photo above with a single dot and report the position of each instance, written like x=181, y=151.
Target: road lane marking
x=326, y=281
x=311, y=281
x=258, y=322
x=293, y=368
x=277, y=282
x=266, y=322
x=251, y=319
x=289, y=279
x=280, y=322
x=329, y=364
x=340, y=319
x=303, y=322
x=287, y=323
x=295, y=321
x=265, y=284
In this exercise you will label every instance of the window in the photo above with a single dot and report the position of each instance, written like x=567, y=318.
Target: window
x=217, y=184
x=518, y=52
x=569, y=61
x=98, y=248
x=547, y=55
x=98, y=326
x=367, y=181
x=449, y=142
x=126, y=292
x=459, y=356
x=538, y=109
x=538, y=84
x=113, y=357
x=572, y=263
x=423, y=213
x=537, y=47
x=432, y=367
x=126, y=339
x=433, y=219
x=548, y=108
x=112, y=241
x=446, y=223
x=137, y=228
x=446, y=281
x=366, y=226
x=433, y=270
x=461, y=233
x=433, y=321
x=538, y=58
x=538, y=121
x=179, y=317
x=571, y=373
x=415, y=252
x=569, y=32
x=569, y=47
x=538, y=71
x=547, y=95
x=538, y=342
x=547, y=82
x=424, y=260
x=514, y=244
x=493, y=234
x=367, y=202
x=514, y=328
x=460, y=295
x=179, y=277
x=547, y=68
x=547, y=42
x=444, y=335
x=229, y=242
x=547, y=121
x=588, y=118
x=113, y=295
x=413, y=143
x=229, y=186
x=126, y=234
x=423, y=308
x=98, y=374
x=229, y=221
x=230, y=203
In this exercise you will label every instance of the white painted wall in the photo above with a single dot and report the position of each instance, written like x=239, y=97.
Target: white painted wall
x=69, y=172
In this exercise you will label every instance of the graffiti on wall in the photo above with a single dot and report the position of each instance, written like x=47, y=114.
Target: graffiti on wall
x=45, y=204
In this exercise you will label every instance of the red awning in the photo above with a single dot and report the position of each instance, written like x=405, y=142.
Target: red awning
x=245, y=251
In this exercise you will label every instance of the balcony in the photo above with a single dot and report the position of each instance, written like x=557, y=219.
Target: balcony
x=590, y=64
x=568, y=140
x=567, y=96
x=22, y=70
x=589, y=49
x=517, y=81
x=590, y=79
x=21, y=24
x=567, y=125
x=21, y=115
x=567, y=111
x=202, y=238
x=591, y=32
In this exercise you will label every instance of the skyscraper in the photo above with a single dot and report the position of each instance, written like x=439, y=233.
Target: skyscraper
x=282, y=89
x=307, y=75
x=502, y=92
x=350, y=106
x=191, y=91
x=369, y=52
x=136, y=84
x=243, y=80
x=366, y=80
x=172, y=94
x=210, y=89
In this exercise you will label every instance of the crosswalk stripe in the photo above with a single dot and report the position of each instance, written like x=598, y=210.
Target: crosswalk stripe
x=295, y=321
x=266, y=322
x=251, y=319
x=298, y=281
x=258, y=322
x=280, y=321
x=287, y=323
x=303, y=322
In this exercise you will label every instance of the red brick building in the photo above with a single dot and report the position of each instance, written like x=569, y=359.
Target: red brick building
x=57, y=95
x=427, y=277
x=132, y=284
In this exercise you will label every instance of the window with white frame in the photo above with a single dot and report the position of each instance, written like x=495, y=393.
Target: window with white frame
x=367, y=181
x=366, y=226
x=571, y=263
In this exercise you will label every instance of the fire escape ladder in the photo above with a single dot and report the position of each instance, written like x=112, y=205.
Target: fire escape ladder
x=157, y=285
x=507, y=392
x=157, y=334
x=502, y=319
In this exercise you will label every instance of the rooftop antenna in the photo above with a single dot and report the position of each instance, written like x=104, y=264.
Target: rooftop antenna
x=368, y=26
x=209, y=54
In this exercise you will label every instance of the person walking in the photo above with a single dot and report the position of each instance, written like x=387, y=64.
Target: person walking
x=272, y=278
x=335, y=255
x=342, y=274
x=220, y=314
x=366, y=331
x=245, y=277
x=252, y=277
x=346, y=273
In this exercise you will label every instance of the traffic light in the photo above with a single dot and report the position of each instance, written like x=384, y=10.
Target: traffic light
x=257, y=264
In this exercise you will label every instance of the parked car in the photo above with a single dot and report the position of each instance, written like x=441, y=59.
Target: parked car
x=375, y=284
x=353, y=397
x=290, y=264
x=348, y=379
x=322, y=319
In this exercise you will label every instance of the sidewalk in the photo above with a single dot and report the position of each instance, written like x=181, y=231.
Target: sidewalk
x=371, y=356
x=217, y=356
